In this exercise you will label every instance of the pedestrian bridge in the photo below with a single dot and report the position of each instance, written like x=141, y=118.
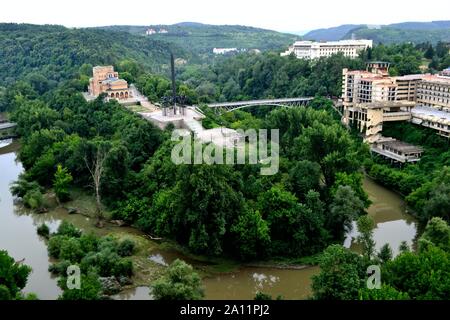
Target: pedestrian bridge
x=224, y=107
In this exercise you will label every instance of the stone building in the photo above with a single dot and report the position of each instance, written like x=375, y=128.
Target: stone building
x=106, y=80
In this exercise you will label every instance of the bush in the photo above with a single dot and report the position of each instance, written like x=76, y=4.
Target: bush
x=68, y=229
x=131, y=209
x=122, y=267
x=59, y=268
x=54, y=245
x=90, y=289
x=89, y=242
x=126, y=248
x=22, y=186
x=71, y=250
x=4, y=293
x=43, y=230
x=33, y=199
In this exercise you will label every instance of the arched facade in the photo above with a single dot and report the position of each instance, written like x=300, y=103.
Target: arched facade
x=120, y=95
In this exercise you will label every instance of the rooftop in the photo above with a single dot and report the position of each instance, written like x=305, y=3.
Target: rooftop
x=386, y=104
x=436, y=78
x=398, y=145
x=432, y=114
x=335, y=43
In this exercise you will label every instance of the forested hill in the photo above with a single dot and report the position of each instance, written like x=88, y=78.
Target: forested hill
x=57, y=53
x=416, y=32
x=202, y=38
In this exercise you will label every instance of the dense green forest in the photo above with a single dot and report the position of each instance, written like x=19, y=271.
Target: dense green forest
x=268, y=75
x=57, y=53
x=288, y=212
x=202, y=38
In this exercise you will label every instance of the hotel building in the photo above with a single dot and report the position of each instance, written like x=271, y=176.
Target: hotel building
x=371, y=97
x=314, y=50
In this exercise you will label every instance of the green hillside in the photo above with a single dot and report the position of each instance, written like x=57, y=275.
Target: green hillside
x=389, y=35
x=202, y=38
x=57, y=52
x=415, y=32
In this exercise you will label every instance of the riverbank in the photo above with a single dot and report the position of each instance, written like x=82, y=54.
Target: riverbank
x=222, y=278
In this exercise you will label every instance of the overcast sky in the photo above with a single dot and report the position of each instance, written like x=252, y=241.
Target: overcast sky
x=281, y=15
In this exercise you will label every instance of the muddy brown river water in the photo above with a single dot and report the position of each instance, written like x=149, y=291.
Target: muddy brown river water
x=18, y=236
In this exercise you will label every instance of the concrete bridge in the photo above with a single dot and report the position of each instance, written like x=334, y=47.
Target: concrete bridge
x=224, y=107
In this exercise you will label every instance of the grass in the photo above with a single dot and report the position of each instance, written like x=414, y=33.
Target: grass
x=137, y=108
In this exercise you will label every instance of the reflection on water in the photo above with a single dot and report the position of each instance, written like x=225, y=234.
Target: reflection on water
x=244, y=284
x=5, y=142
x=393, y=224
x=139, y=293
x=18, y=234
x=159, y=259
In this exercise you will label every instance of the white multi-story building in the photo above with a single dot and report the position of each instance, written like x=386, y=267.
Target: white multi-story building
x=224, y=50
x=371, y=97
x=315, y=50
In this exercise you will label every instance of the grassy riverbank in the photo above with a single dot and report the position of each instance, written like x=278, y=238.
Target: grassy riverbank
x=152, y=256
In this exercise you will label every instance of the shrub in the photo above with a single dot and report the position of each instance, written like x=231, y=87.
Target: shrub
x=123, y=267
x=59, y=267
x=22, y=186
x=68, y=229
x=54, y=245
x=33, y=199
x=126, y=248
x=43, y=230
x=71, y=250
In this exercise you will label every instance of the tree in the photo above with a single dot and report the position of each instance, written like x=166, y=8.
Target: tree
x=423, y=276
x=341, y=275
x=251, y=235
x=404, y=247
x=355, y=181
x=96, y=167
x=429, y=53
x=294, y=229
x=61, y=182
x=344, y=208
x=386, y=292
x=13, y=277
x=330, y=146
x=305, y=175
x=437, y=232
x=365, y=226
x=179, y=282
x=385, y=253
x=438, y=204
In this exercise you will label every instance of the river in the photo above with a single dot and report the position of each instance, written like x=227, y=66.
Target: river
x=18, y=236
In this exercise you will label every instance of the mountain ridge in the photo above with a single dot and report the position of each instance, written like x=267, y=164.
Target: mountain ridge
x=432, y=31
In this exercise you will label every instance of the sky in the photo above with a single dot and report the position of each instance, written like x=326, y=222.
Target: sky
x=280, y=15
